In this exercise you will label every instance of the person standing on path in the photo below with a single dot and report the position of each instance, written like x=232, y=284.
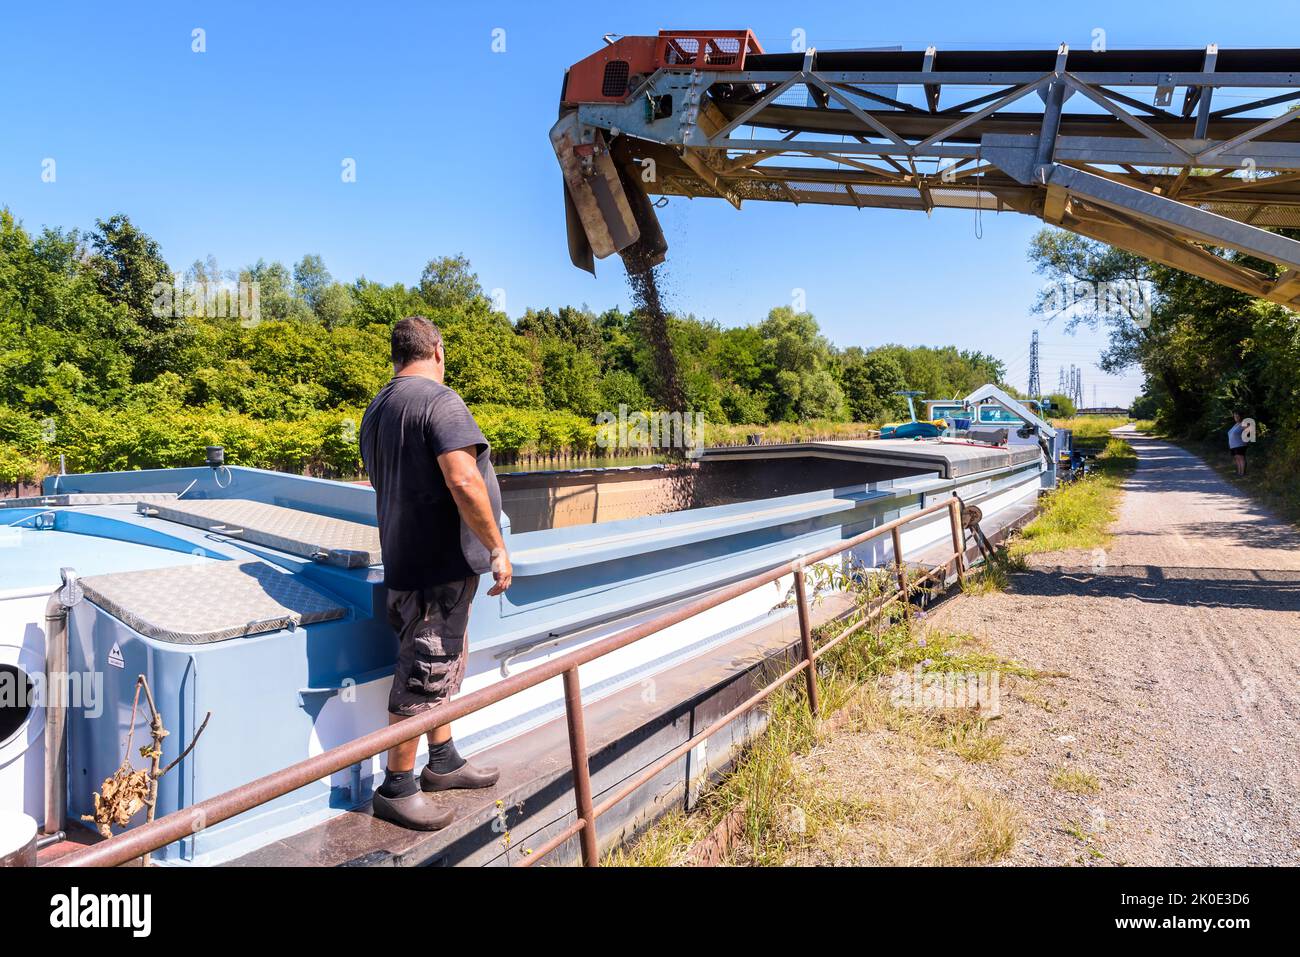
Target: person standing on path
x=1237, y=443
x=439, y=510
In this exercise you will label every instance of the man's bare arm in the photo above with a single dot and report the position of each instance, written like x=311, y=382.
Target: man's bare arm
x=460, y=471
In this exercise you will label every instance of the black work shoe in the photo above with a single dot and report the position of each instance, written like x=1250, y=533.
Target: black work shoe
x=414, y=811
x=465, y=776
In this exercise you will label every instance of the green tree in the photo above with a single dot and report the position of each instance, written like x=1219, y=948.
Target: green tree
x=335, y=305
x=1205, y=350
x=944, y=372
x=1189, y=334
x=576, y=326
x=620, y=338
x=1062, y=406
x=448, y=282
x=129, y=271
x=61, y=342
x=127, y=264
x=800, y=356
x=870, y=381
x=620, y=387
x=486, y=361
x=375, y=303
x=570, y=378
x=276, y=293
x=311, y=279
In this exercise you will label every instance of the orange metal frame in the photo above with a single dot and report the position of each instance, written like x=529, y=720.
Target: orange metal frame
x=671, y=50
x=700, y=49
x=149, y=837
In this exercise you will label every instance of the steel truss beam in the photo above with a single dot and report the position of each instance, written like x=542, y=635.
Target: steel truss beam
x=1078, y=147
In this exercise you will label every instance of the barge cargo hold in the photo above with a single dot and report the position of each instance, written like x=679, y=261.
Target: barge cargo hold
x=253, y=596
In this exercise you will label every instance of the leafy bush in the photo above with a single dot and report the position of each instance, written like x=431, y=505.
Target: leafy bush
x=17, y=467
x=92, y=368
x=535, y=430
x=1091, y=430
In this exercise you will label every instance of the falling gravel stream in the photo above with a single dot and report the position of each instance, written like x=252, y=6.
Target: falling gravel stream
x=668, y=394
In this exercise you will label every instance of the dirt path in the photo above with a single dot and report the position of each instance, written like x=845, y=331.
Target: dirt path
x=1180, y=650
x=1163, y=727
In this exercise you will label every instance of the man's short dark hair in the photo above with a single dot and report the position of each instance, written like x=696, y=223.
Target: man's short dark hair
x=414, y=338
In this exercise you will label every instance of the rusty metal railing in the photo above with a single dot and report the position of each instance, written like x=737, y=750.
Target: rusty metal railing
x=141, y=840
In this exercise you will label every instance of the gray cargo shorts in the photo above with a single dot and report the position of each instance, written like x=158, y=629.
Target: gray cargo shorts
x=432, y=647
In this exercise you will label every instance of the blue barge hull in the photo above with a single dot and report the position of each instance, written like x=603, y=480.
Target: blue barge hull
x=314, y=673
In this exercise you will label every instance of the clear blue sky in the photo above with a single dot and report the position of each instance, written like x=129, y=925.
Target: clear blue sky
x=236, y=152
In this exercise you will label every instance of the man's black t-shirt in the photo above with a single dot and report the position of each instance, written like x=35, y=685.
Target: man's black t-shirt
x=409, y=424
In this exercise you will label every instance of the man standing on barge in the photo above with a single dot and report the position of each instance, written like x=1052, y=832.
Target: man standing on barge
x=439, y=510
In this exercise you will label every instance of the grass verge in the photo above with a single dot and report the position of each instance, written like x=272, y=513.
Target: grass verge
x=1091, y=430
x=994, y=574
x=1079, y=513
x=784, y=811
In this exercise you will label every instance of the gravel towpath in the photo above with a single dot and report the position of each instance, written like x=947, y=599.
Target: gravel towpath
x=1177, y=651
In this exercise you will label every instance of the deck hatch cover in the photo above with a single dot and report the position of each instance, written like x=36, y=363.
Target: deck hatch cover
x=333, y=541
x=86, y=498
x=199, y=604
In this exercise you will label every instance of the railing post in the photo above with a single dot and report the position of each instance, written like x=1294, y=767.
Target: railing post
x=581, y=770
x=805, y=635
x=898, y=562
x=958, y=545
